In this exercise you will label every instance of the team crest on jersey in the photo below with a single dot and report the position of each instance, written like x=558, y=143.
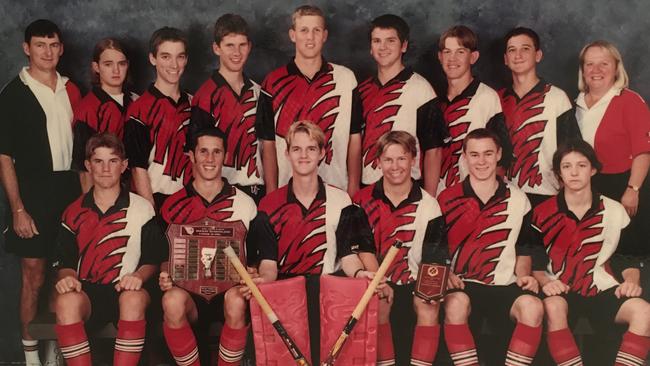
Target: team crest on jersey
x=308, y=101
x=474, y=244
x=573, y=258
x=378, y=114
x=169, y=140
x=457, y=129
x=526, y=134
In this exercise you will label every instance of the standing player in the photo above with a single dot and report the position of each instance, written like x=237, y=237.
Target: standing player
x=538, y=115
x=488, y=230
x=207, y=195
x=35, y=159
x=467, y=105
x=109, y=246
x=398, y=99
x=228, y=100
x=397, y=208
x=580, y=230
x=104, y=108
x=309, y=88
x=307, y=227
x=155, y=132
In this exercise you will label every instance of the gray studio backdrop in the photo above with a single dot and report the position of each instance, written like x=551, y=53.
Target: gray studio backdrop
x=564, y=26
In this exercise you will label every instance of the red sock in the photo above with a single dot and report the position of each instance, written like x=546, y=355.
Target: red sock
x=385, y=351
x=425, y=345
x=461, y=344
x=523, y=345
x=129, y=342
x=231, y=345
x=563, y=347
x=73, y=343
x=633, y=351
x=182, y=344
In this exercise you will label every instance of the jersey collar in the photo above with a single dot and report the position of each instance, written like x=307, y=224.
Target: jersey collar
x=103, y=97
x=226, y=191
x=538, y=88
x=158, y=95
x=293, y=69
x=320, y=196
x=562, y=206
x=121, y=202
x=414, y=195
x=221, y=82
x=468, y=92
x=500, y=193
x=402, y=76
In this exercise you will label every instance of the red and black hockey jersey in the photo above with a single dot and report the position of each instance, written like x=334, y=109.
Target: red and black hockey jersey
x=483, y=238
x=326, y=99
x=478, y=106
x=404, y=103
x=155, y=136
x=578, y=250
x=104, y=246
x=96, y=113
x=537, y=123
x=217, y=104
x=307, y=240
x=417, y=222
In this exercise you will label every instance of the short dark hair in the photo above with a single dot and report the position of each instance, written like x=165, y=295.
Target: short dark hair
x=42, y=28
x=466, y=37
x=229, y=24
x=391, y=21
x=482, y=133
x=522, y=31
x=108, y=140
x=166, y=34
x=207, y=131
x=579, y=146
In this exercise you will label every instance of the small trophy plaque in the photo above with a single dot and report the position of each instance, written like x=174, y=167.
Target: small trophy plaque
x=196, y=259
x=431, y=284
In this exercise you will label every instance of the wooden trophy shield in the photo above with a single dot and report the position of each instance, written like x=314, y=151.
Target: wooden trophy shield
x=431, y=284
x=196, y=259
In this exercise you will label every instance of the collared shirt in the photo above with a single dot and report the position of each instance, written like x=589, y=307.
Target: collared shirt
x=58, y=115
x=537, y=123
x=326, y=100
x=217, y=104
x=416, y=221
x=577, y=251
x=404, y=103
x=485, y=238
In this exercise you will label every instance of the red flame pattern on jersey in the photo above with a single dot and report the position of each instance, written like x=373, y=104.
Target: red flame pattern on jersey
x=572, y=250
x=101, y=117
x=300, y=100
x=457, y=131
x=184, y=208
x=301, y=250
x=100, y=257
x=377, y=115
x=525, y=146
x=474, y=244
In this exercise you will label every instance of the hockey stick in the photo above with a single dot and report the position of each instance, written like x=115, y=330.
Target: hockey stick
x=361, y=305
x=266, y=308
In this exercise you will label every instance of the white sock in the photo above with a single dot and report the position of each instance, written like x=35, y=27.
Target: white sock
x=51, y=354
x=30, y=346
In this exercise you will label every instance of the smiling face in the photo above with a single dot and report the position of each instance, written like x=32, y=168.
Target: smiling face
x=395, y=163
x=386, y=47
x=233, y=51
x=521, y=57
x=170, y=61
x=576, y=172
x=456, y=59
x=309, y=35
x=105, y=167
x=304, y=154
x=207, y=158
x=44, y=52
x=482, y=156
x=111, y=68
x=599, y=69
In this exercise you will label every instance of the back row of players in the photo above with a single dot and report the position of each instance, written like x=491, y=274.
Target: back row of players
x=259, y=146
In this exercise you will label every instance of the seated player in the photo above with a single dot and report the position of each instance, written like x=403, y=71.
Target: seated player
x=103, y=109
x=580, y=231
x=109, y=246
x=397, y=208
x=488, y=230
x=307, y=226
x=207, y=195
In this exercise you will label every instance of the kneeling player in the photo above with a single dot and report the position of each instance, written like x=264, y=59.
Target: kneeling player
x=397, y=208
x=487, y=231
x=207, y=195
x=109, y=245
x=580, y=230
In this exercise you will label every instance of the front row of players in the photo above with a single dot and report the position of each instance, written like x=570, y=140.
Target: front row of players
x=501, y=253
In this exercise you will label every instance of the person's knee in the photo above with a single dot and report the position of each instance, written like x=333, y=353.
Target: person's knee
x=427, y=313
x=529, y=310
x=556, y=309
x=133, y=304
x=33, y=273
x=69, y=307
x=234, y=307
x=457, y=308
x=640, y=318
x=174, y=304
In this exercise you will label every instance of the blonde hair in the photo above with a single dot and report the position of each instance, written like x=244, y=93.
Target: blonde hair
x=307, y=10
x=621, y=81
x=309, y=128
x=401, y=138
